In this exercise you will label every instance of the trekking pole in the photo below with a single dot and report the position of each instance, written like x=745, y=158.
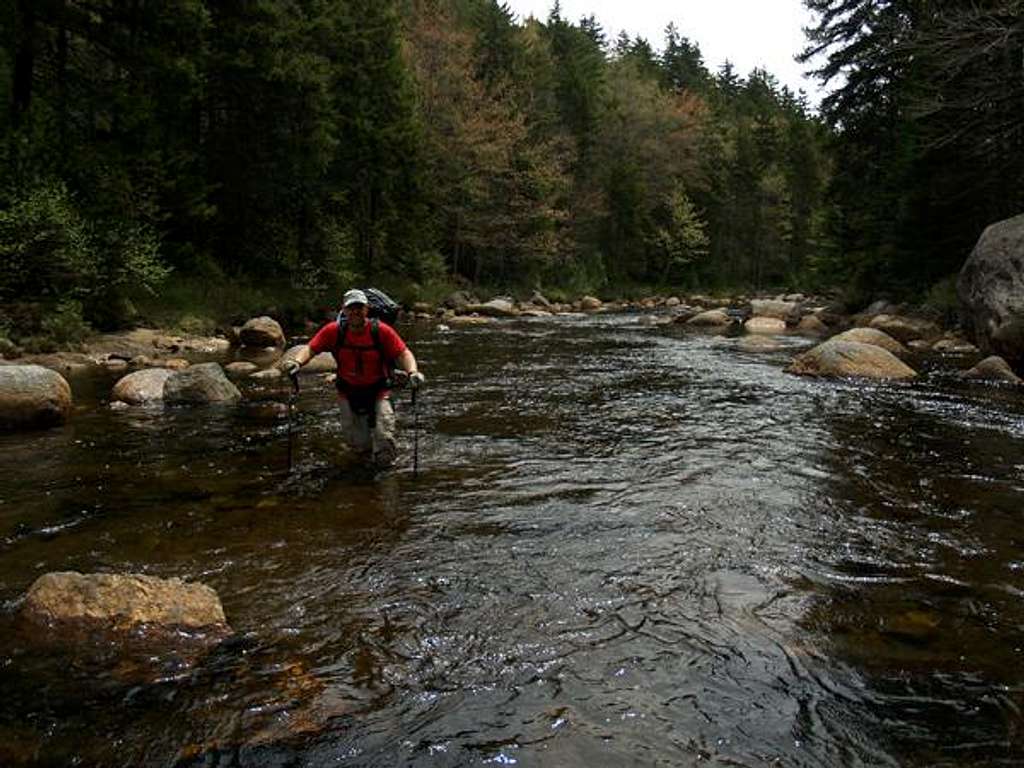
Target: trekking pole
x=291, y=409
x=415, y=437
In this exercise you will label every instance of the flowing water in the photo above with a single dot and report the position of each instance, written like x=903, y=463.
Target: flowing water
x=626, y=545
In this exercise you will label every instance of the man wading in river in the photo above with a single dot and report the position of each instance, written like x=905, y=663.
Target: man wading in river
x=366, y=350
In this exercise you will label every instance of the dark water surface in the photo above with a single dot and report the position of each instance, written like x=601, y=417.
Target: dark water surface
x=627, y=545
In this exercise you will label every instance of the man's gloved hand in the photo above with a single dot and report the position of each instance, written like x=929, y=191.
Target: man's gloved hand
x=291, y=367
x=416, y=380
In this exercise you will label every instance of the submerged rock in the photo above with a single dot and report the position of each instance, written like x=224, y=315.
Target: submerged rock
x=840, y=359
x=123, y=602
x=199, y=385
x=141, y=387
x=33, y=397
x=811, y=325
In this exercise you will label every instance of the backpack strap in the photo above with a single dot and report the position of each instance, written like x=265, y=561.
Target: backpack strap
x=377, y=345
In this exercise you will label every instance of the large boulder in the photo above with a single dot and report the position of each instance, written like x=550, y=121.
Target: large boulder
x=32, y=397
x=906, y=328
x=872, y=336
x=141, y=387
x=200, y=384
x=123, y=602
x=837, y=358
x=992, y=368
x=590, y=303
x=261, y=332
x=991, y=290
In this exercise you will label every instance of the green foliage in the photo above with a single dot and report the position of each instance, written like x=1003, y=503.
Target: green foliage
x=272, y=152
x=682, y=240
x=49, y=251
x=65, y=326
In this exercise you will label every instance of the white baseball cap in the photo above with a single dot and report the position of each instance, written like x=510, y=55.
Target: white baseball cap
x=355, y=296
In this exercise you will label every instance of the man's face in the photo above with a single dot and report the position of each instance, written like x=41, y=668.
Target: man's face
x=356, y=315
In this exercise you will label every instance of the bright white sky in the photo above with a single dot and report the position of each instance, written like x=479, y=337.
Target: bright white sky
x=749, y=33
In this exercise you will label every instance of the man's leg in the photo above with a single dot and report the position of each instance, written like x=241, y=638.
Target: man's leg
x=355, y=428
x=385, y=444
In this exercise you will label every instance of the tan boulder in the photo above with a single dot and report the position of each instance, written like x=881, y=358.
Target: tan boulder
x=954, y=346
x=767, y=325
x=781, y=310
x=32, y=396
x=811, y=325
x=992, y=368
x=124, y=601
x=757, y=344
x=469, y=320
x=873, y=336
x=590, y=303
x=838, y=358
x=141, y=387
x=240, y=368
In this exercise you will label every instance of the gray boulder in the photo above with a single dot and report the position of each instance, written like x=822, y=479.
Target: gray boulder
x=906, y=328
x=199, y=385
x=122, y=602
x=836, y=358
x=494, y=308
x=540, y=300
x=991, y=291
x=261, y=332
x=33, y=397
x=459, y=300
x=141, y=387
x=712, y=318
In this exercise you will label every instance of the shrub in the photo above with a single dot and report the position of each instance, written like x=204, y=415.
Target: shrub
x=51, y=253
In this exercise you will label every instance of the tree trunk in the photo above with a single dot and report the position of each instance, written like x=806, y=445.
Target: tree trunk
x=24, y=61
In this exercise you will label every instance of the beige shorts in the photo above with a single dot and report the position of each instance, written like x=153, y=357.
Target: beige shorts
x=380, y=441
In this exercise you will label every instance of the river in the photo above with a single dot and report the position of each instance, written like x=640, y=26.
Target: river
x=626, y=544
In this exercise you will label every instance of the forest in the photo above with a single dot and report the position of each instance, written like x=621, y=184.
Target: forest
x=190, y=160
